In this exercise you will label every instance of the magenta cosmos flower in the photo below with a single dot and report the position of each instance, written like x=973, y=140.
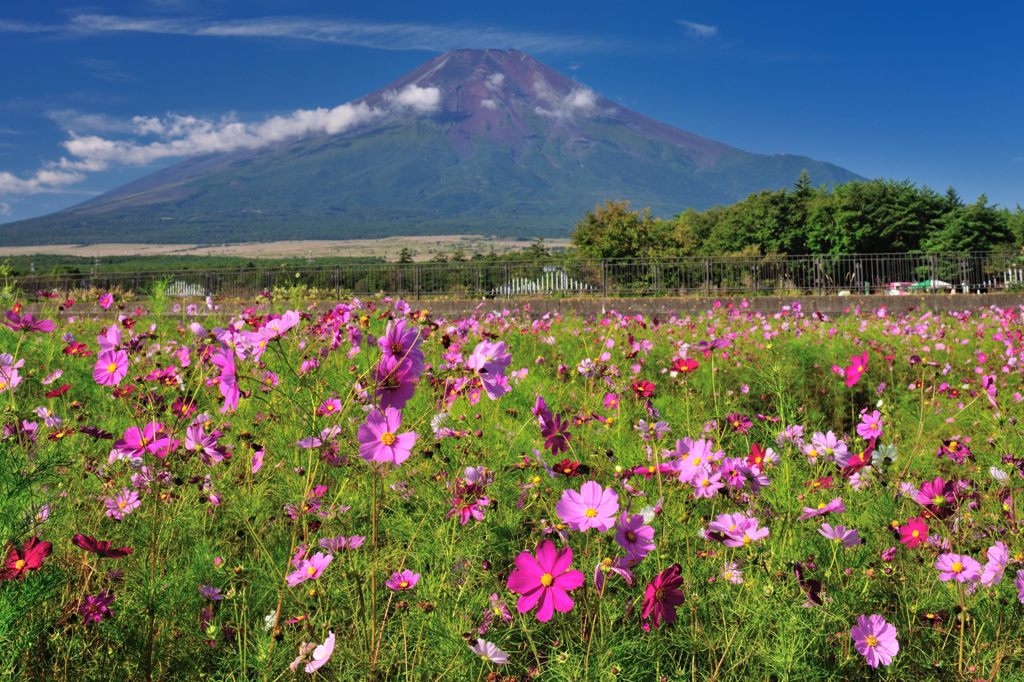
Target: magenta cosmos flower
x=403, y=580
x=111, y=367
x=105, y=300
x=875, y=639
x=545, y=579
x=958, y=567
x=591, y=507
x=309, y=569
x=914, y=532
x=854, y=371
x=379, y=440
x=662, y=596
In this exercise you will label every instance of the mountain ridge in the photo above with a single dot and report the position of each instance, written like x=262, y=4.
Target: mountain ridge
x=472, y=141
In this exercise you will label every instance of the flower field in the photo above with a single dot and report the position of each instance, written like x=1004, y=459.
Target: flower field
x=373, y=492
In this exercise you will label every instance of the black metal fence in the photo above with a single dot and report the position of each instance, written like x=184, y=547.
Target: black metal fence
x=783, y=275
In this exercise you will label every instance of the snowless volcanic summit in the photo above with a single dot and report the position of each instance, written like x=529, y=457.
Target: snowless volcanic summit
x=473, y=141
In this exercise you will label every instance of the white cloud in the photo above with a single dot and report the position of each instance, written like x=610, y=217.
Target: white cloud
x=385, y=36
x=698, y=30
x=581, y=100
x=415, y=97
x=178, y=136
x=488, y=103
x=5, y=209
x=495, y=81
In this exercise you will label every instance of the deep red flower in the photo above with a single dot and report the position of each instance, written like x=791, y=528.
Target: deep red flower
x=663, y=596
x=59, y=391
x=643, y=388
x=100, y=547
x=567, y=467
x=29, y=558
x=77, y=348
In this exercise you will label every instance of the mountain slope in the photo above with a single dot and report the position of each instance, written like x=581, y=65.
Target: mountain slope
x=509, y=147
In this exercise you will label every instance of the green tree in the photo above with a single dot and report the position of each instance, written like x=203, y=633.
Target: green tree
x=615, y=231
x=978, y=227
x=405, y=255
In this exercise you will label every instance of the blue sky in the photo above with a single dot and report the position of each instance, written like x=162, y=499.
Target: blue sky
x=927, y=91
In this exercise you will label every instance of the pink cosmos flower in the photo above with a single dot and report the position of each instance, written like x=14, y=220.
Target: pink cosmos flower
x=662, y=596
x=853, y=372
x=122, y=504
x=379, y=440
x=870, y=426
x=546, y=580
x=403, y=580
x=309, y=569
x=401, y=344
x=314, y=656
x=105, y=300
x=1019, y=584
x=111, y=367
x=634, y=536
x=747, y=534
x=620, y=566
x=706, y=484
x=875, y=639
x=998, y=558
x=847, y=536
x=591, y=507
x=959, y=567
x=227, y=382
x=695, y=458
x=836, y=506
x=488, y=651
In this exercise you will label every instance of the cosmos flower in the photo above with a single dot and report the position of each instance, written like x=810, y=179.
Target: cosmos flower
x=402, y=580
x=998, y=558
x=101, y=548
x=105, y=300
x=379, y=440
x=29, y=558
x=914, y=532
x=122, y=504
x=634, y=536
x=545, y=579
x=309, y=569
x=870, y=425
x=314, y=656
x=591, y=507
x=836, y=506
x=662, y=596
x=853, y=372
x=488, y=651
x=847, y=536
x=958, y=567
x=875, y=640
x=96, y=608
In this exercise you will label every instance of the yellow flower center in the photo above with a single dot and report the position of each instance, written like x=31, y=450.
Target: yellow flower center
x=590, y=513
x=696, y=461
x=387, y=438
x=121, y=504
x=821, y=505
x=915, y=534
x=535, y=479
x=746, y=539
x=330, y=408
x=547, y=579
x=952, y=445
x=957, y=567
x=871, y=640
x=938, y=499
x=19, y=564
x=112, y=368
x=404, y=584
x=311, y=570
x=706, y=482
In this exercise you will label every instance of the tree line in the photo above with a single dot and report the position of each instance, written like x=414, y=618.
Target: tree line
x=871, y=216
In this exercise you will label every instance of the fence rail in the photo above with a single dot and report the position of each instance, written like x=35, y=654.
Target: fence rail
x=787, y=275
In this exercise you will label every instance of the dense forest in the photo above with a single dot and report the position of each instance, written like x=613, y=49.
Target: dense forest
x=874, y=216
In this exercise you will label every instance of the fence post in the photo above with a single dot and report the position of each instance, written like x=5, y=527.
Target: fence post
x=508, y=281
x=707, y=276
x=604, y=279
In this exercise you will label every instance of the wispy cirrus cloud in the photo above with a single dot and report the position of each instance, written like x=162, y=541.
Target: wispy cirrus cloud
x=149, y=139
x=377, y=35
x=698, y=30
